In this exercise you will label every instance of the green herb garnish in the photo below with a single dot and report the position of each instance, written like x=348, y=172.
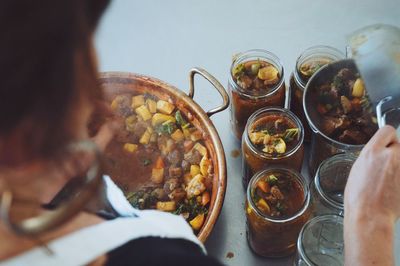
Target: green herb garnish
x=272, y=180
x=290, y=134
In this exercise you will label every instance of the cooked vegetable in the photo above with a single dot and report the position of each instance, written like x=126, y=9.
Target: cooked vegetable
x=157, y=175
x=167, y=206
x=130, y=147
x=197, y=222
x=177, y=135
x=165, y=149
x=137, y=101
x=358, y=88
x=278, y=195
x=256, y=75
x=165, y=107
x=151, y=105
x=143, y=112
x=274, y=135
x=161, y=118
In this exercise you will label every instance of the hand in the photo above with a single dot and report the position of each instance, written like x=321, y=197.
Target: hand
x=373, y=186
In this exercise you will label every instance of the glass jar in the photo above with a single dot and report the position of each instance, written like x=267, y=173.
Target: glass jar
x=321, y=242
x=245, y=101
x=306, y=65
x=327, y=188
x=254, y=158
x=276, y=236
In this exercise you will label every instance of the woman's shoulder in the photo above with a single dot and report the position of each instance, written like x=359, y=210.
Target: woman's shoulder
x=153, y=251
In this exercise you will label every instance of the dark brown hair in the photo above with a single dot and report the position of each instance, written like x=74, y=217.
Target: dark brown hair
x=38, y=75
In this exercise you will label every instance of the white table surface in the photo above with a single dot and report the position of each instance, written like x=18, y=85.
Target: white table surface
x=165, y=38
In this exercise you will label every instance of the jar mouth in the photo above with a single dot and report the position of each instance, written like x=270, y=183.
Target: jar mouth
x=271, y=111
x=263, y=55
x=317, y=52
x=285, y=171
x=347, y=160
x=323, y=218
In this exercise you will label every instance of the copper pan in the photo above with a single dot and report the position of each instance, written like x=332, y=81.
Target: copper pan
x=122, y=82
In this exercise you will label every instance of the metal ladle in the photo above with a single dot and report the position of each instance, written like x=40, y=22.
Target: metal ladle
x=376, y=51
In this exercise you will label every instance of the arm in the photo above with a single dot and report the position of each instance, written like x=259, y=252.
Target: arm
x=372, y=197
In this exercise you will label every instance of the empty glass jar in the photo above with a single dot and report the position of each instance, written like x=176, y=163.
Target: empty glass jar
x=327, y=188
x=321, y=242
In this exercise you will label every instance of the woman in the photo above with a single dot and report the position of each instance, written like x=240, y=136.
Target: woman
x=48, y=91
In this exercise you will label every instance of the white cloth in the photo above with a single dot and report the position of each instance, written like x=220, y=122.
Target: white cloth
x=85, y=245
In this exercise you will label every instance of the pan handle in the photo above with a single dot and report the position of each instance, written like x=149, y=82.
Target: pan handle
x=214, y=82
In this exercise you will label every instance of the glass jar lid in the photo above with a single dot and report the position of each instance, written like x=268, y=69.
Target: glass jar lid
x=321, y=241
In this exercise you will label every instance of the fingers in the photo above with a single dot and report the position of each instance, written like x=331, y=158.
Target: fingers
x=384, y=137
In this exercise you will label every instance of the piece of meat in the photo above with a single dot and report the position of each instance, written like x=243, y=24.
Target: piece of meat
x=276, y=192
x=139, y=128
x=177, y=194
x=258, y=84
x=345, y=74
x=185, y=166
x=159, y=193
x=193, y=157
x=174, y=157
x=175, y=172
x=245, y=82
x=171, y=184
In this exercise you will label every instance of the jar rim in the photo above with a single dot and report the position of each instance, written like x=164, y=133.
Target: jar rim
x=266, y=56
x=323, y=51
x=258, y=114
x=292, y=173
x=341, y=157
x=309, y=223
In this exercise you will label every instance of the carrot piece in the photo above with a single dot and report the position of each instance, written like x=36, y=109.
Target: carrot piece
x=321, y=109
x=205, y=198
x=264, y=186
x=356, y=104
x=159, y=163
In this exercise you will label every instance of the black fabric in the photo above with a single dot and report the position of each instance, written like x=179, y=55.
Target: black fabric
x=154, y=251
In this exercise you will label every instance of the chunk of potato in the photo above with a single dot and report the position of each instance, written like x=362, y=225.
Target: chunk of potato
x=358, y=88
x=166, y=206
x=177, y=135
x=143, y=112
x=130, y=122
x=205, y=164
x=200, y=148
x=194, y=170
x=130, y=147
x=257, y=137
x=151, y=105
x=137, y=101
x=197, y=222
x=161, y=118
x=157, y=175
x=195, y=135
x=196, y=186
x=145, y=138
x=165, y=107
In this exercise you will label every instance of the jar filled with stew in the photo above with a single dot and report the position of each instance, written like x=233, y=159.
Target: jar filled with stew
x=277, y=207
x=256, y=80
x=309, y=62
x=321, y=242
x=273, y=137
x=327, y=189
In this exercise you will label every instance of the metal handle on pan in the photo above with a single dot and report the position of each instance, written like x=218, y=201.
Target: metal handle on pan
x=215, y=83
